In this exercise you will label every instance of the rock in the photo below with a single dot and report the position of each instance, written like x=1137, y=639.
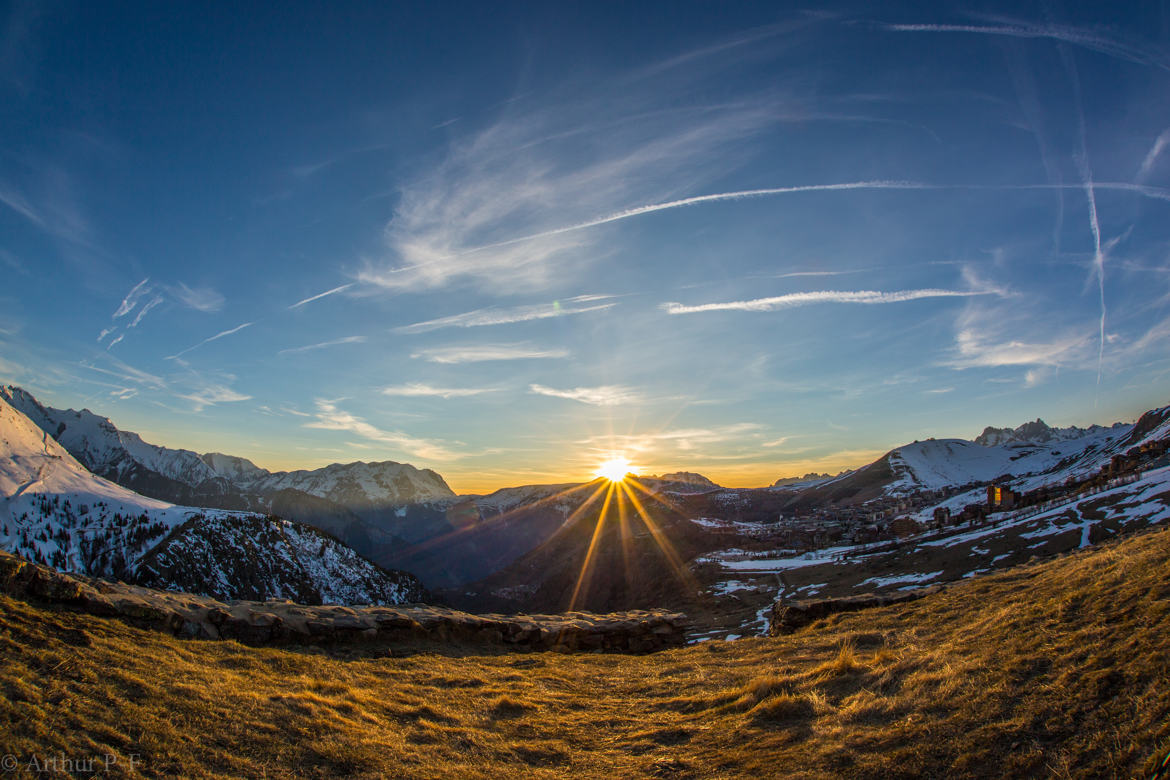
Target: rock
x=789, y=617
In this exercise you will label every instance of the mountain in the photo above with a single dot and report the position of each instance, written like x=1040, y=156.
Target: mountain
x=53, y=510
x=216, y=479
x=810, y=478
x=682, y=482
x=1037, y=432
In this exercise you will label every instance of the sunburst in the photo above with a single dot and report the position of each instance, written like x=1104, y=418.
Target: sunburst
x=615, y=469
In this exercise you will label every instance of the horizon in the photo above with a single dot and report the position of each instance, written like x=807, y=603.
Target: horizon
x=606, y=470
x=509, y=244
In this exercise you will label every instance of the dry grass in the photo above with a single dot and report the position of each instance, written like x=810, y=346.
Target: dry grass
x=1058, y=669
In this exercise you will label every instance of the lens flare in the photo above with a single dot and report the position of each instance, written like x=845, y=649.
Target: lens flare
x=614, y=469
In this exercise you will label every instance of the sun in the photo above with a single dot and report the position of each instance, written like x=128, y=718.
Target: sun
x=614, y=469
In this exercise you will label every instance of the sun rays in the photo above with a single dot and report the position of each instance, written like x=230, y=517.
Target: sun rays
x=617, y=481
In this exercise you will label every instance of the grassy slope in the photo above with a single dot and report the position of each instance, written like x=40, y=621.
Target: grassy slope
x=1059, y=668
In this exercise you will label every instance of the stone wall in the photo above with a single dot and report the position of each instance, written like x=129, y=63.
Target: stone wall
x=284, y=622
x=791, y=616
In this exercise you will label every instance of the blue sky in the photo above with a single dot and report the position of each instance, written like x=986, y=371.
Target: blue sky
x=506, y=241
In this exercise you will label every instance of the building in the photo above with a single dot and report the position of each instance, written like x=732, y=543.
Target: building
x=1000, y=498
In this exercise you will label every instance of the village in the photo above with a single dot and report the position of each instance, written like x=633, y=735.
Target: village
x=891, y=518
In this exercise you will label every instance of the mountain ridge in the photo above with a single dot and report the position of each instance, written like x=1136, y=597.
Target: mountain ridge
x=54, y=511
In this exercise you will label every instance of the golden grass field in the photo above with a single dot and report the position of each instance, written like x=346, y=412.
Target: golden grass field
x=1059, y=668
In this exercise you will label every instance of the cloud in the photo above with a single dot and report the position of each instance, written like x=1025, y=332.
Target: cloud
x=486, y=352
x=418, y=390
x=131, y=299
x=323, y=345
x=976, y=349
x=18, y=203
x=203, y=299
x=530, y=171
x=319, y=296
x=143, y=311
x=793, y=300
x=1085, y=38
x=651, y=208
x=126, y=372
x=503, y=316
x=604, y=395
x=1153, y=155
x=115, y=341
x=685, y=439
x=329, y=417
x=210, y=339
x=212, y=395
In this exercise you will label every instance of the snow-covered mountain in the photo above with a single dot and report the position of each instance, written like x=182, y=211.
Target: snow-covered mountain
x=54, y=511
x=1036, y=432
x=220, y=480
x=1033, y=452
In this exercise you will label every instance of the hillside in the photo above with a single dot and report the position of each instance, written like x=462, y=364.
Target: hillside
x=1055, y=669
x=54, y=511
x=215, y=479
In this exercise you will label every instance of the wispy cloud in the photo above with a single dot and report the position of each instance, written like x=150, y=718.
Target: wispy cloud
x=1152, y=156
x=210, y=339
x=504, y=316
x=695, y=200
x=976, y=348
x=331, y=418
x=793, y=300
x=1086, y=173
x=1085, y=38
x=459, y=219
x=604, y=395
x=323, y=345
x=682, y=439
x=319, y=296
x=212, y=395
x=205, y=299
x=150, y=295
x=144, y=310
x=125, y=372
x=419, y=390
x=487, y=352
x=131, y=299
x=18, y=203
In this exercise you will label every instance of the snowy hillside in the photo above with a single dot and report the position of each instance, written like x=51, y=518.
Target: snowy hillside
x=1062, y=453
x=101, y=447
x=224, y=480
x=284, y=560
x=359, y=485
x=506, y=499
x=56, y=512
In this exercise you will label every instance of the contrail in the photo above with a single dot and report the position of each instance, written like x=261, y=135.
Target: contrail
x=1070, y=35
x=312, y=298
x=1082, y=160
x=822, y=296
x=697, y=199
x=1152, y=156
x=1157, y=193
x=228, y=332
